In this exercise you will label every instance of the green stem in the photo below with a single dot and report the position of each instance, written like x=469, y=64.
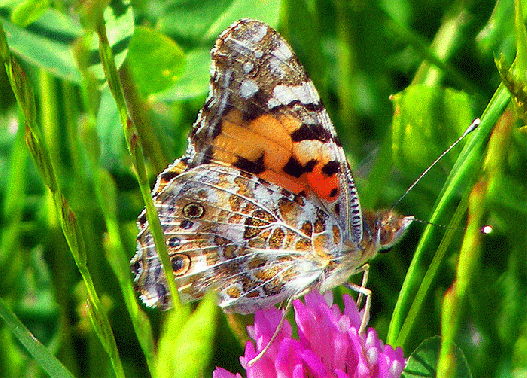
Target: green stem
x=48, y=118
x=107, y=199
x=444, y=45
x=138, y=114
x=417, y=303
x=115, y=254
x=521, y=40
x=467, y=163
x=136, y=153
x=422, y=47
x=72, y=233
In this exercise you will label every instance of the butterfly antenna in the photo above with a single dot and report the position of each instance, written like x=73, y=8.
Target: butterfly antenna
x=473, y=126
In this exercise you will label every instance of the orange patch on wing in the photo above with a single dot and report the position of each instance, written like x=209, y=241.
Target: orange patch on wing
x=270, y=136
x=266, y=135
x=292, y=184
x=325, y=187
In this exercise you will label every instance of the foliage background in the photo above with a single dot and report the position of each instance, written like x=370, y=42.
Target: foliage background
x=357, y=54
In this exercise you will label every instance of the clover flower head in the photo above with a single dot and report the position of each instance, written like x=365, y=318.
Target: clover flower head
x=328, y=344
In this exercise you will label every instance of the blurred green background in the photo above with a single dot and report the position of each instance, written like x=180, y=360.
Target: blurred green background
x=358, y=54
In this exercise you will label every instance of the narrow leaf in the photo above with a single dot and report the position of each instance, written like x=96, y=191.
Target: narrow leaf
x=38, y=351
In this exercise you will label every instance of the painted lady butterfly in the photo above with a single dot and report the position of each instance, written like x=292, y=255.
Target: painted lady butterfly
x=263, y=206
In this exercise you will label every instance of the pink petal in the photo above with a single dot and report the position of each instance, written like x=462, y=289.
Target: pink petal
x=351, y=311
x=340, y=374
x=315, y=366
x=298, y=372
x=288, y=357
x=222, y=373
x=329, y=345
x=263, y=368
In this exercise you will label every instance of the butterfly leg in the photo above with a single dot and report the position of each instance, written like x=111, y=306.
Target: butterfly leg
x=275, y=334
x=279, y=327
x=365, y=269
x=363, y=291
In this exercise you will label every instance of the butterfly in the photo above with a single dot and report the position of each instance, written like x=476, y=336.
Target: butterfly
x=263, y=206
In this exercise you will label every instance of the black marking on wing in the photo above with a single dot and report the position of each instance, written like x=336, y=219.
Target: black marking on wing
x=254, y=167
x=331, y=168
x=294, y=168
x=311, y=132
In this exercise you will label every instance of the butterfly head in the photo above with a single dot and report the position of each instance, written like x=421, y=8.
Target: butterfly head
x=384, y=228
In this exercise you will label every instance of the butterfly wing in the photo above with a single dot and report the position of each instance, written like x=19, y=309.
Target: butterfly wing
x=263, y=206
x=264, y=116
x=253, y=242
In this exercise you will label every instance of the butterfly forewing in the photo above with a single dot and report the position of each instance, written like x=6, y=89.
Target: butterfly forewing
x=264, y=116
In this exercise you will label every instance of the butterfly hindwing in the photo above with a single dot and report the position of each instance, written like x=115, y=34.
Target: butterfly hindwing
x=248, y=239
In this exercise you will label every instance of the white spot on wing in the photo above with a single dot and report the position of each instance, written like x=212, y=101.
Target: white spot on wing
x=224, y=95
x=310, y=94
x=272, y=103
x=149, y=302
x=258, y=33
x=282, y=95
x=283, y=51
x=248, y=67
x=286, y=94
x=248, y=88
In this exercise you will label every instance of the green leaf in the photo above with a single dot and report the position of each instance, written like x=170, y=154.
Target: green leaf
x=514, y=80
x=110, y=133
x=266, y=11
x=423, y=361
x=28, y=11
x=156, y=61
x=38, y=351
x=47, y=44
x=204, y=20
x=498, y=34
x=57, y=26
x=49, y=53
x=190, y=19
x=426, y=121
x=194, y=80
x=185, y=349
